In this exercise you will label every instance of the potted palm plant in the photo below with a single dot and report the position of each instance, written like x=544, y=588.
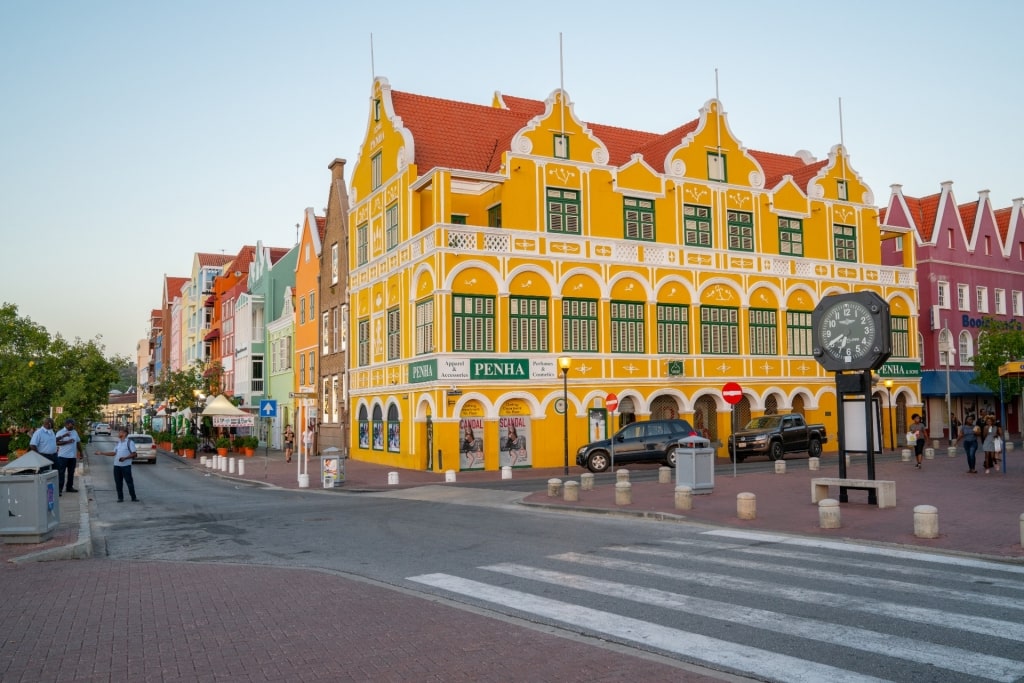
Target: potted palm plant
x=223, y=444
x=186, y=445
x=251, y=442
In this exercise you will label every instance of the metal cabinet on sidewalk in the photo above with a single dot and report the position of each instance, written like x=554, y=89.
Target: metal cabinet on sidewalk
x=28, y=489
x=695, y=464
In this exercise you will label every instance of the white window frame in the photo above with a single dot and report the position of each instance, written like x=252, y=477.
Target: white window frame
x=334, y=263
x=1017, y=302
x=981, y=296
x=1000, y=301
x=963, y=297
x=325, y=335
x=942, y=294
x=966, y=348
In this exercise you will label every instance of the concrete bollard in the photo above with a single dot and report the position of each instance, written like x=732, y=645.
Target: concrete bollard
x=392, y=478
x=936, y=443
x=554, y=487
x=828, y=514
x=746, y=505
x=929, y=454
x=571, y=492
x=241, y=467
x=202, y=459
x=780, y=467
x=814, y=464
x=664, y=475
x=623, y=493
x=506, y=472
x=926, y=521
x=684, y=500
x=906, y=454
x=1009, y=446
x=587, y=481
x=222, y=463
x=847, y=459
x=231, y=465
x=449, y=476
x=622, y=475
x=951, y=451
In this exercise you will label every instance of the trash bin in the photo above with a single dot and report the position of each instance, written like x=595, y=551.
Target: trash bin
x=28, y=490
x=695, y=464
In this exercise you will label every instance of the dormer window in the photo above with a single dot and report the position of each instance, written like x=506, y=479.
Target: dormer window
x=376, y=109
x=841, y=190
x=561, y=142
x=716, y=167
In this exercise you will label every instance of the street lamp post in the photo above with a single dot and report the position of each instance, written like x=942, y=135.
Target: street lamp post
x=892, y=431
x=564, y=363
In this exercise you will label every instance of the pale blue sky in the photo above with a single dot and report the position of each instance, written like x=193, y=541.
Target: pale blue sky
x=137, y=133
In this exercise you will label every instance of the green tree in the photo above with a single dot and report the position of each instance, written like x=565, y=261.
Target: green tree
x=998, y=344
x=180, y=387
x=85, y=378
x=26, y=373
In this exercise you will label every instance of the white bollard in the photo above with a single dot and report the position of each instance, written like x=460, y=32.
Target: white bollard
x=814, y=464
x=828, y=514
x=223, y=464
x=951, y=451
x=906, y=454
x=936, y=443
x=554, y=487
x=392, y=478
x=449, y=476
x=506, y=472
x=622, y=475
x=684, y=499
x=241, y=467
x=847, y=459
x=202, y=459
x=926, y=521
x=929, y=454
x=571, y=491
x=780, y=467
x=746, y=505
x=303, y=481
x=231, y=465
x=623, y=493
x=664, y=475
x=587, y=481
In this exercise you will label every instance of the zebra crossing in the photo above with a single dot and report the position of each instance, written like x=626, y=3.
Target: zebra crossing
x=775, y=607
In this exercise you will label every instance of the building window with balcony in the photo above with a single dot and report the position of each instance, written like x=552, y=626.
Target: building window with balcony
x=740, y=226
x=799, y=334
x=563, y=208
x=394, y=334
x=627, y=318
x=844, y=242
x=424, y=326
x=638, y=217
x=528, y=324
x=472, y=323
x=899, y=329
x=579, y=325
x=494, y=216
x=673, y=329
x=362, y=244
x=762, y=326
x=697, y=225
x=364, y=343
x=791, y=237
x=719, y=330
x=391, y=229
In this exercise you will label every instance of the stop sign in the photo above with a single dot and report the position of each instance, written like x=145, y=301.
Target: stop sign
x=611, y=401
x=732, y=393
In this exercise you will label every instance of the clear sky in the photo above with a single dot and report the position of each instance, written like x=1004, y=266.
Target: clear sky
x=137, y=133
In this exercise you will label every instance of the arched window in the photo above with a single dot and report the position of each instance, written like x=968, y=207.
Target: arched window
x=946, y=348
x=394, y=430
x=920, y=346
x=771, y=405
x=966, y=348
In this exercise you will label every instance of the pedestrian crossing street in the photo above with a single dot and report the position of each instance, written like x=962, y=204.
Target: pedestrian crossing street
x=775, y=607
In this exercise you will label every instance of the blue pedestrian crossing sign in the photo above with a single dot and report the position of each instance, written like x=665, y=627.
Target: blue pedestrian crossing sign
x=268, y=407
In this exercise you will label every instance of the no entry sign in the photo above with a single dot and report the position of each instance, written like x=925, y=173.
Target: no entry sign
x=611, y=401
x=732, y=393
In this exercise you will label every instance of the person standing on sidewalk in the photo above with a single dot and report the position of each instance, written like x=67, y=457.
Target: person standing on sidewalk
x=124, y=453
x=991, y=432
x=918, y=429
x=69, y=452
x=969, y=433
x=289, y=443
x=44, y=441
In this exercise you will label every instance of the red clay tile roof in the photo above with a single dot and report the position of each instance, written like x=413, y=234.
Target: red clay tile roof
x=277, y=253
x=523, y=105
x=174, y=285
x=321, y=227
x=923, y=211
x=206, y=260
x=657, y=147
x=243, y=259
x=968, y=213
x=1003, y=222
x=775, y=166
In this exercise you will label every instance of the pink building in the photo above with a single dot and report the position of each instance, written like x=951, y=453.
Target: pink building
x=970, y=266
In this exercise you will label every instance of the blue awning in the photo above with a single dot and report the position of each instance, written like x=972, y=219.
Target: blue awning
x=933, y=383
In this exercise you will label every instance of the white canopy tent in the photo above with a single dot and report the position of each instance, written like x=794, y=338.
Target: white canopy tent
x=224, y=413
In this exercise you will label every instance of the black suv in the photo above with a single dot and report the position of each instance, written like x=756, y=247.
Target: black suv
x=650, y=441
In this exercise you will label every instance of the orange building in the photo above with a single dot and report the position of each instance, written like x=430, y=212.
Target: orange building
x=307, y=337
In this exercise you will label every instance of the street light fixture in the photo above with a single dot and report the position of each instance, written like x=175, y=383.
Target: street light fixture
x=892, y=432
x=564, y=363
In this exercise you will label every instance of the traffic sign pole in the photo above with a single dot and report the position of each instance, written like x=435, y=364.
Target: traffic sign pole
x=732, y=392
x=611, y=401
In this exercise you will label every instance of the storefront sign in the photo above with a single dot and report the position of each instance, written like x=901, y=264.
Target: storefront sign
x=900, y=369
x=509, y=368
x=423, y=371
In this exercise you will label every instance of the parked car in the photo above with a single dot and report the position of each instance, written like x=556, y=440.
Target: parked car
x=776, y=435
x=101, y=428
x=648, y=441
x=145, y=449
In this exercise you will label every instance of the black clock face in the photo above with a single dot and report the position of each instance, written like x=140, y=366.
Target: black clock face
x=847, y=331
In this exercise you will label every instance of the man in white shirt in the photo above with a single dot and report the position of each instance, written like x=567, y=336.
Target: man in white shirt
x=124, y=452
x=44, y=441
x=69, y=452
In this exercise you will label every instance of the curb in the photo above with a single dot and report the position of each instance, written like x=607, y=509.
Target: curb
x=80, y=549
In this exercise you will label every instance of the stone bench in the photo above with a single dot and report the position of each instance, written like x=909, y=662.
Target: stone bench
x=886, y=490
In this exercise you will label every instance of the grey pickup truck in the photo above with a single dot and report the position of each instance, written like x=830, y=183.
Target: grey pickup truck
x=776, y=435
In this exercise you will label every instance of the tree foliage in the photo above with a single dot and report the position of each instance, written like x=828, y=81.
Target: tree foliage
x=39, y=373
x=998, y=344
x=181, y=387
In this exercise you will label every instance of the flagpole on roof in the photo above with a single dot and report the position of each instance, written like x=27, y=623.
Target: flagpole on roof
x=561, y=79
x=373, y=69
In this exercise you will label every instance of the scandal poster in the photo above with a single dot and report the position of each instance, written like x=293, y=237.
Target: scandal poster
x=515, y=438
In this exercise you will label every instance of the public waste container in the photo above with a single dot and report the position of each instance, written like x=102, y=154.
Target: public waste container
x=28, y=490
x=695, y=464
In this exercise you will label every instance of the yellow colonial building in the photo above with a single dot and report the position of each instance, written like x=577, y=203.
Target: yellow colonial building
x=488, y=241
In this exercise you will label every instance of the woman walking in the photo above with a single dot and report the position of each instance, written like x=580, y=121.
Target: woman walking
x=917, y=428
x=969, y=435
x=990, y=445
